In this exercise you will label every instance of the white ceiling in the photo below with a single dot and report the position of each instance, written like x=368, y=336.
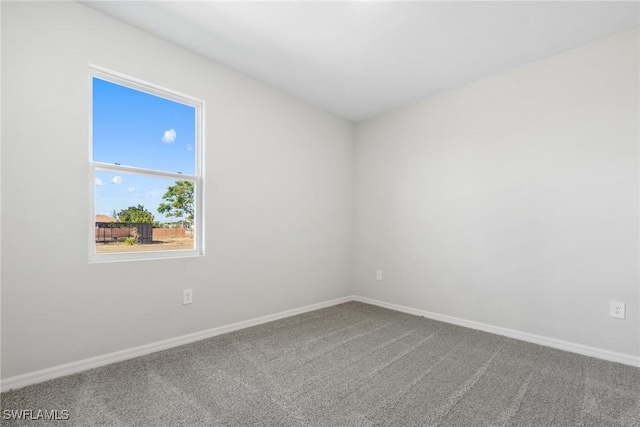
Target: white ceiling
x=358, y=59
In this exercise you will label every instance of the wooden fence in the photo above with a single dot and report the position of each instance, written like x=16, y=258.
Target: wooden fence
x=159, y=233
x=111, y=233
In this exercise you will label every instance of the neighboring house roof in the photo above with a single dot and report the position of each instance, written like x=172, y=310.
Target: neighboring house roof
x=104, y=218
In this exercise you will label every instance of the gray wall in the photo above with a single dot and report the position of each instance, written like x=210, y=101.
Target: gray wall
x=279, y=191
x=512, y=201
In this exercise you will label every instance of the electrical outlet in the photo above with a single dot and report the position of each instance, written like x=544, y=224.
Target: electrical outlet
x=617, y=309
x=187, y=296
x=379, y=275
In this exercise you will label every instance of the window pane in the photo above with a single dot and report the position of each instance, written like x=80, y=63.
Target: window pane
x=137, y=129
x=142, y=213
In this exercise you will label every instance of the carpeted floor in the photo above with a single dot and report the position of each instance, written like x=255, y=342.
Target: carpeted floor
x=348, y=365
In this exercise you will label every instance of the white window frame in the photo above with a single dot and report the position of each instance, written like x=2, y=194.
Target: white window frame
x=198, y=178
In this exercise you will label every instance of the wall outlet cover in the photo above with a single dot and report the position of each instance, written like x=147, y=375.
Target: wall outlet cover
x=617, y=309
x=187, y=296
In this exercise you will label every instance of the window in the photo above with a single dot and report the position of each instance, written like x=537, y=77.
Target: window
x=146, y=170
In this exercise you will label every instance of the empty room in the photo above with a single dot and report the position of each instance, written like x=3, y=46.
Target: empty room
x=343, y=213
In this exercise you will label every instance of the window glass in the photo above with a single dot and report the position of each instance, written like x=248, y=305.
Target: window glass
x=146, y=171
x=138, y=129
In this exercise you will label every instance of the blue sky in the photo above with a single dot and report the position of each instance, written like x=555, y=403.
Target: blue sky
x=134, y=128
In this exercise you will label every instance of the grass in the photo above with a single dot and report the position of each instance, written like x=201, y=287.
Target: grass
x=167, y=244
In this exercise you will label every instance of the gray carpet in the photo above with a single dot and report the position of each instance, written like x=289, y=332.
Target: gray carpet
x=348, y=365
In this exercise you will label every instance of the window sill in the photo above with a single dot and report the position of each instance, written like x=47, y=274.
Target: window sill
x=143, y=256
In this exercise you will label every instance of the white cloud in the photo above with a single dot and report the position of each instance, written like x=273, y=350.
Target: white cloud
x=117, y=179
x=131, y=189
x=189, y=147
x=99, y=181
x=169, y=136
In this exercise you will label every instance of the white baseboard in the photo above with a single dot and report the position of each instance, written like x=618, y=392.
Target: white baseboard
x=82, y=365
x=522, y=336
x=24, y=380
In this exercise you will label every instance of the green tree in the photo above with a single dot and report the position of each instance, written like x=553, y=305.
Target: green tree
x=135, y=214
x=180, y=200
